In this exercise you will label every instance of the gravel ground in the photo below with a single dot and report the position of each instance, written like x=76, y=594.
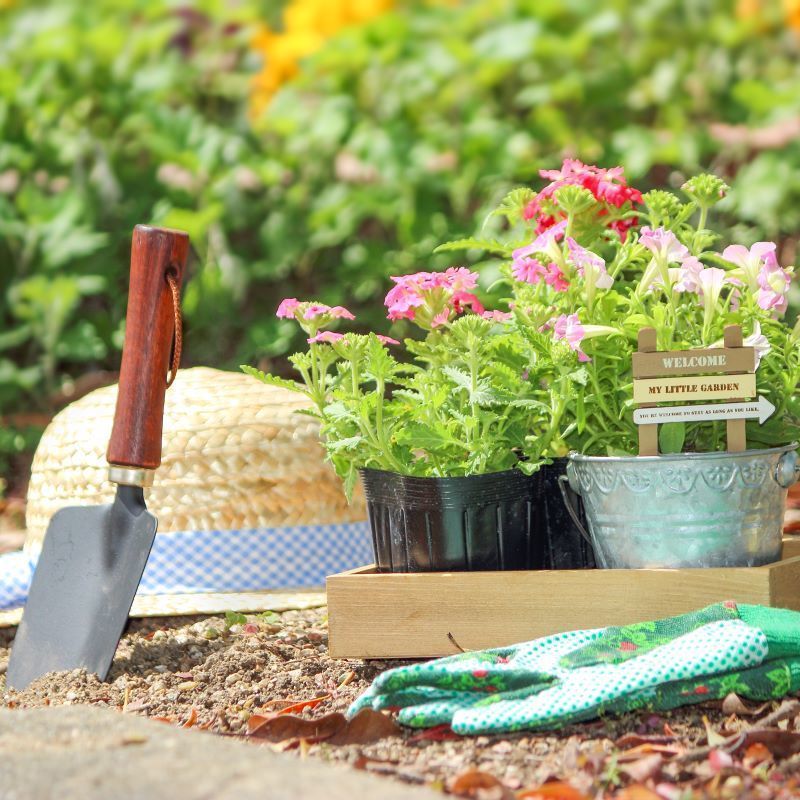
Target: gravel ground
x=215, y=674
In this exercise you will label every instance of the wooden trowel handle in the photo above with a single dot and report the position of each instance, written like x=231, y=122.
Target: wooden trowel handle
x=149, y=330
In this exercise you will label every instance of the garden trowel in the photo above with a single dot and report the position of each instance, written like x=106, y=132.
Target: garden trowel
x=92, y=558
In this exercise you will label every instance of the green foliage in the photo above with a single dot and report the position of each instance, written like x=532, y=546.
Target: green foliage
x=396, y=136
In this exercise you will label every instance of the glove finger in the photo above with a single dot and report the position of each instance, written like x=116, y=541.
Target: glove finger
x=440, y=712
x=713, y=649
x=621, y=643
x=478, y=673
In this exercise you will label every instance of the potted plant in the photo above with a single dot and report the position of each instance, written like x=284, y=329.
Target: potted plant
x=447, y=439
x=590, y=262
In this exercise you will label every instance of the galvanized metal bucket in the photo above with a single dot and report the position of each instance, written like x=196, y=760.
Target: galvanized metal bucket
x=685, y=510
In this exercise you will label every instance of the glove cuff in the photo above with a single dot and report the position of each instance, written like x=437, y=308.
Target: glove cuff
x=780, y=625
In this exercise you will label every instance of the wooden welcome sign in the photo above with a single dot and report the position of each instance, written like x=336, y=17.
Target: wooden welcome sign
x=718, y=373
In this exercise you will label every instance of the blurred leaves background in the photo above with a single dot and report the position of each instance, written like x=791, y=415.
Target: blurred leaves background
x=316, y=147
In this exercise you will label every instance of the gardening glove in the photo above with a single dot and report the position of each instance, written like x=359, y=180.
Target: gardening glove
x=579, y=675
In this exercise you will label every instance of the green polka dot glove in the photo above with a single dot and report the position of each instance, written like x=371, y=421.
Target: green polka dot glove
x=550, y=682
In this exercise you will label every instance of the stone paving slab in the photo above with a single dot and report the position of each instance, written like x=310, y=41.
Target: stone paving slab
x=86, y=753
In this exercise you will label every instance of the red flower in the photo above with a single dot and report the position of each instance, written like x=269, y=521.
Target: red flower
x=608, y=186
x=628, y=646
x=701, y=690
x=480, y=673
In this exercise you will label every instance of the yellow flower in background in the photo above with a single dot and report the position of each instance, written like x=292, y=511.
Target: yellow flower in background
x=766, y=14
x=307, y=24
x=792, y=10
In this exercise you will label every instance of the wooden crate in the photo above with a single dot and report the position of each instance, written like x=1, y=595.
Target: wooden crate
x=409, y=615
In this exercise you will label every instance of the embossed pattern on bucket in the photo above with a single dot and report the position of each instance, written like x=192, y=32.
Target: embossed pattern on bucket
x=687, y=510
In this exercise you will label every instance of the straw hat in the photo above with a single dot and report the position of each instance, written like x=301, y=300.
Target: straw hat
x=246, y=503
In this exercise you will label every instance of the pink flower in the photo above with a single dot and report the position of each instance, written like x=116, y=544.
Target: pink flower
x=751, y=261
x=326, y=337
x=689, y=275
x=287, y=308
x=663, y=244
x=590, y=265
x=340, y=312
x=497, y=316
x=386, y=339
x=711, y=280
x=403, y=299
x=440, y=319
x=569, y=329
x=608, y=186
x=774, y=283
x=556, y=278
x=758, y=342
x=314, y=310
x=528, y=270
x=429, y=298
x=543, y=243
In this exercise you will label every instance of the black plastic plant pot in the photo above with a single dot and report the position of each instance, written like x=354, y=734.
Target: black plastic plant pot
x=565, y=545
x=480, y=522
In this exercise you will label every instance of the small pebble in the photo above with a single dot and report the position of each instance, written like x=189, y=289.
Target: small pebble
x=161, y=668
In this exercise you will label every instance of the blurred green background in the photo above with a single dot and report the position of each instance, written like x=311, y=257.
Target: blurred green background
x=315, y=147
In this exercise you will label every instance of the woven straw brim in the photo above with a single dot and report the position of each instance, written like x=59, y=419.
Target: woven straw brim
x=171, y=605
x=236, y=455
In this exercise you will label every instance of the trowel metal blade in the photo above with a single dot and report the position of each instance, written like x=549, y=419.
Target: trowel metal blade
x=88, y=572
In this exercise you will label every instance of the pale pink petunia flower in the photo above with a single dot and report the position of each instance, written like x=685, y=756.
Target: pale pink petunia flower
x=711, y=281
x=589, y=265
x=773, y=282
x=287, y=308
x=543, y=243
x=689, y=275
x=326, y=337
x=750, y=261
x=758, y=342
x=663, y=244
x=569, y=329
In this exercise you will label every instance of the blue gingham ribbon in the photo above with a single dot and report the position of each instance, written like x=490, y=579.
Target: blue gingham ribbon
x=257, y=559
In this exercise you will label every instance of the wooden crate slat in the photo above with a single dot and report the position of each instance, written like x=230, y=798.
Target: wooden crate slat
x=409, y=615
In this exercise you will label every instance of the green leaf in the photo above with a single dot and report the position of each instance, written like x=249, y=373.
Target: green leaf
x=671, y=436
x=348, y=443
x=234, y=618
x=423, y=437
x=470, y=243
x=273, y=380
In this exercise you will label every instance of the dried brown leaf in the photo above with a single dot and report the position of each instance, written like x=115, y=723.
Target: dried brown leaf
x=713, y=737
x=781, y=744
x=191, y=720
x=643, y=768
x=732, y=704
x=555, y=790
x=366, y=727
x=286, y=727
x=479, y=785
x=637, y=792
